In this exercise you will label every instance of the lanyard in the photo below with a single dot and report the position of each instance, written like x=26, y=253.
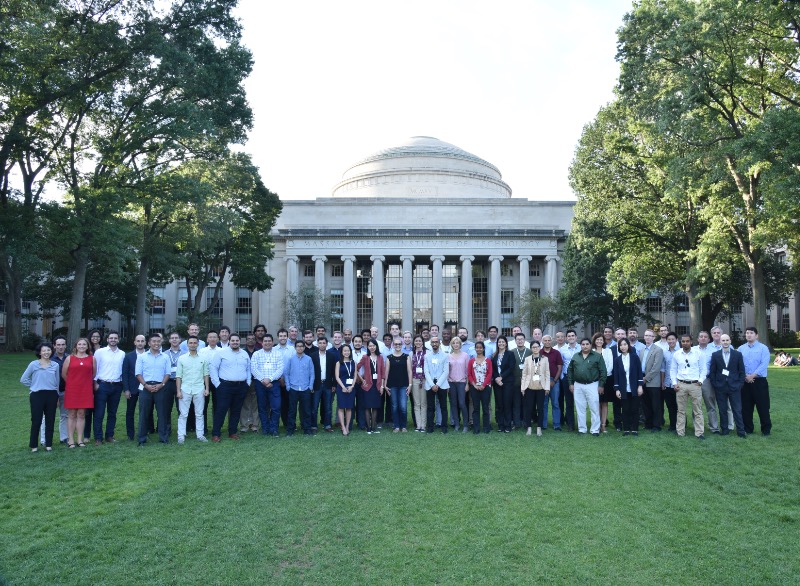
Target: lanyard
x=347, y=367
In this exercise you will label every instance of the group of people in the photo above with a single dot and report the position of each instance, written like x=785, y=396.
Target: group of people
x=262, y=382
x=784, y=359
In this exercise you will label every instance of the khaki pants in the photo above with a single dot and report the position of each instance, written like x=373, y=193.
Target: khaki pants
x=420, y=403
x=685, y=391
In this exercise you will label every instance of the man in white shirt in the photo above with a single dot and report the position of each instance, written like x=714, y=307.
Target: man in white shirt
x=662, y=343
x=224, y=337
x=193, y=330
x=107, y=387
x=709, y=397
x=566, y=400
x=688, y=368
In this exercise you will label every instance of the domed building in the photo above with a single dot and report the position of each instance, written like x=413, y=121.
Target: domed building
x=419, y=233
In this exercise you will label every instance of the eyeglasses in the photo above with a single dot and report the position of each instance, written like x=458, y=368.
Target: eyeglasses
x=397, y=345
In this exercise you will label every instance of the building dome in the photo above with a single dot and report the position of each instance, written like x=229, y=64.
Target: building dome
x=423, y=167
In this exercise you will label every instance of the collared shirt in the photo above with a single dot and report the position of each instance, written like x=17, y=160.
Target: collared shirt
x=192, y=371
x=688, y=366
x=706, y=353
x=645, y=351
x=208, y=352
x=626, y=365
x=299, y=373
x=468, y=348
x=567, y=352
x=323, y=364
x=39, y=378
x=230, y=365
x=285, y=351
x=109, y=364
x=200, y=345
x=638, y=347
x=756, y=358
x=586, y=370
x=267, y=365
x=669, y=355
x=663, y=344
x=726, y=356
x=437, y=367
x=407, y=350
x=555, y=359
x=491, y=348
x=152, y=367
x=61, y=382
x=173, y=356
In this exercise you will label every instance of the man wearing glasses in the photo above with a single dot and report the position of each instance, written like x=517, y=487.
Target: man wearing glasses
x=687, y=371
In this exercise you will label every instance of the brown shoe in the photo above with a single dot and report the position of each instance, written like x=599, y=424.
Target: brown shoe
x=235, y=436
x=216, y=439
x=110, y=440
x=98, y=443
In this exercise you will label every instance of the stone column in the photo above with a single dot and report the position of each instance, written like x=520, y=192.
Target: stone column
x=319, y=272
x=292, y=275
x=466, y=294
x=524, y=274
x=349, y=316
x=408, y=292
x=437, y=299
x=378, y=297
x=551, y=274
x=494, y=291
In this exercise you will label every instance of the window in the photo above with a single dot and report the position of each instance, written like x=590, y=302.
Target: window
x=681, y=330
x=781, y=257
x=244, y=310
x=308, y=270
x=681, y=303
x=423, y=296
x=450, y=293
x=506, y=270
x=337, y=309
x=394, y=295
x=784, y=313
x=654, y=305
x=337, y=270
x=536, y=292
x=480, y=299
x=215, y=315
x=363, y=296
x=183, y=299
x=506, y=308
x=534, y=270
x=158, y=309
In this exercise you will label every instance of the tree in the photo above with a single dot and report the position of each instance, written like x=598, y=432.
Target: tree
x=536, y=311
x=307, y=307
x=714, y=73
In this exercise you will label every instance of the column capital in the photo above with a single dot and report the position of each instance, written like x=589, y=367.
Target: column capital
x=292, y=258
x=553, y=257
x=439, y=257
x=406, y=257
x=521, y=258
x=377, y=257
x=321, y=257
x=468, y=257
x=350, y=258
x=495, y=257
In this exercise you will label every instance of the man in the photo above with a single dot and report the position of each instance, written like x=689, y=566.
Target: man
x=567, y=400
x=716, y=344
x=347, y=336
x=408, y=343
x=619, y=334
x=726, y=373
x=608, y=336
x=466, y=346
x=491, y=342
x=107, y=387
x=556, y=363
x=709, y=396
x=536, y=336
x=518, y=330
x=586, y=374
x=285, y=349
x=267, y=370
x=224, y=337
x=169, y=394
x=299, y=376
x=230, y=373
x=320, y=332
x=633, y=338
x=308, y=342
x=193, y=330
x=131, y=386
x=520, y=353
x=668, y=394
x=212, y=346
x=394, y=331
x=337, y=344
x=433, y=331
x=755, y=391
x=437, y=369
x=560, y=341
x=358, y=352
x=191, y=387
x=663, y=332
x=249, y=420
x=293, y=336
x=152, y=372
x=426, y=337
x=326, y=386
x=373, y=332
x=687, y=370
x=652, y=359
x=447, y=336
x=259, y=331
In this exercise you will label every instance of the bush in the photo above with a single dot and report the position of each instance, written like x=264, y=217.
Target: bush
x=30, y=341
x=788, y=340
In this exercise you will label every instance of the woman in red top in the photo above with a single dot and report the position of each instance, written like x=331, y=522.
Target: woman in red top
x=78, y=372
x=479, y=373
x=373, y=383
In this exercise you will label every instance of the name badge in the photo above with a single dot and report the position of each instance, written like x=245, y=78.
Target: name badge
x=348, y=382
x=725, y=372
x=419, y=370
x=374, y=376
x=435, y=361
x=174, y=370
x=522, y=366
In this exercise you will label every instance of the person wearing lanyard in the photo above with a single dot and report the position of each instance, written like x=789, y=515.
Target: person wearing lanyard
x=535, y=387
x=726, y=372
x=520, y=353
x=346, y=378
x=628, y=385
x=479, y=372
x=755, y=392
x=152, y=372
x=168, y=395
x=687, y=369
x=437, y=369
x=230, y=373
x=418, y=394
x=267, y=368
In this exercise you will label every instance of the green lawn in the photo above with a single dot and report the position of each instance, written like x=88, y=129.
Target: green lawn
x=405, y=508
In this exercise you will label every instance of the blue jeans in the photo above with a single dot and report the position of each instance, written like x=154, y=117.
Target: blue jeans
x=269, y=406
x=323, y=397
x=555, y=391
x=305, y=400
x=399, y=406
x=458, y=405
x=107, y=395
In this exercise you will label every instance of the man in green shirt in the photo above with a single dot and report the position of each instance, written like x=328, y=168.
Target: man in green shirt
x=586, y=374
x=191, y=380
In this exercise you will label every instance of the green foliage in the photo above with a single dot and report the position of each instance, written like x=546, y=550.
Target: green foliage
x=535, y=311
x=307, y=307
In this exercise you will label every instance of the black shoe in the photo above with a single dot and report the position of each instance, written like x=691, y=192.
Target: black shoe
x=141, y=444
x=275, y=434
x=618, y=428
x=655, y=430
x=556, y=429
x=596, y=434
x=726, y=432
x=626, y=433
x=701, y=437
x=765, y=433
x=742, y=435
x=635, y=433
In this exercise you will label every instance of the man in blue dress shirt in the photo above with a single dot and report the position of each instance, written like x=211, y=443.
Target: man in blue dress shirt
x=230, y=373
x=152, y=372
x=755, y=392
x=298, y=372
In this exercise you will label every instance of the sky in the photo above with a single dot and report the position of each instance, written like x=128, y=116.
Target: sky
x=513, y=82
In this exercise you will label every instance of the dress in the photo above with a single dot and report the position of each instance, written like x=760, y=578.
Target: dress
x=79, y=392
x=372, y=396
x=346, y=400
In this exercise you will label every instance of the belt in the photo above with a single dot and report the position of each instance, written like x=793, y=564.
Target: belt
x=110, y=382
x=689, y=382
x=222, y=380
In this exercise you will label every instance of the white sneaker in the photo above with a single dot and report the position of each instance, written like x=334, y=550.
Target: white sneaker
x=180, y=441
x=202, y=438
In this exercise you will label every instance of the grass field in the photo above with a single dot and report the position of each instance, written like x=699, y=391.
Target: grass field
x=405, y=508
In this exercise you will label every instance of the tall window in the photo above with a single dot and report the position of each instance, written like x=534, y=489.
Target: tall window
x=534, y=270
x=654, y=305
x=450, y=292
x=423, y=283
x=480, y=298
x=506, y=308
x=337, y=309
x=784, y=313
x=2, y=321
x=363, y=295
x=536, y=292
x=214, y=316
x=158, y=309
x=681, y=303
x=506, y=270
x=244, y=310
x=394, y=295
x=337, y=270
x=183, y=300
x=308, y=270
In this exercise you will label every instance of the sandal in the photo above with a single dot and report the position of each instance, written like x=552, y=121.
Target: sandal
x=71, y=446
x=81, y=445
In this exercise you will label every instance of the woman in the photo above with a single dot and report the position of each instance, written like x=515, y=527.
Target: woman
x=346, y=378
x=599, y=346
x=479, y=372
x=535, y=387
x=95, y=343
x=78, y=372
x=459, y=361
x=41, y=377
x=398, y=383
x=503, y=372
x=628, y=385
x=419, y=396
x=373, y=383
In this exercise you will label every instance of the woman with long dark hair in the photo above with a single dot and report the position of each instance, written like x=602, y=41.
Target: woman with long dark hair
x=373, y=384
x=503, y=384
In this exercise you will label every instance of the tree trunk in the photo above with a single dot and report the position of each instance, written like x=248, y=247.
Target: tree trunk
x=78, y=287
x=142, y=325
x=13, y=310
x=710, y=312
x=759, y=301
x=695, y=313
